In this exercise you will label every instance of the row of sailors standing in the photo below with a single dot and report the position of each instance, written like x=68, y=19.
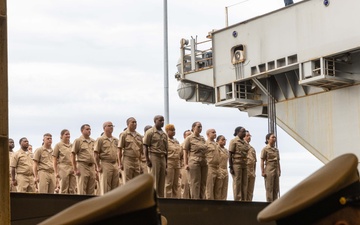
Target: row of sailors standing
x=205, y=165
x=78, y=167
x=206, y=161
x=195, y=169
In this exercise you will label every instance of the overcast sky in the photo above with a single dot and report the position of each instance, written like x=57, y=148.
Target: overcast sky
x=83, y=61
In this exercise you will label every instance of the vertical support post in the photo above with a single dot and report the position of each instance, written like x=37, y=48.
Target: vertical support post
x=193, y=54
x=166, y=66
x=271, y=108
x=226, y=17
x=182, y=61
x=4, y=120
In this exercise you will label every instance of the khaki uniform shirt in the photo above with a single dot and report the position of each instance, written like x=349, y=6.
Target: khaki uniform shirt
x=182, y=145
x=195, y=145
x=62, y=152
x=10, y=156
x=84, y=149
x=156, y=141
x=224, y=158
x=22, y=162
x=251, y=161
x=131, y=144
x=44, y=159
x=212, y=154
x=174, y=152
x=106, y=148
x=270, y=154
x=240, y=150
x=142, y=155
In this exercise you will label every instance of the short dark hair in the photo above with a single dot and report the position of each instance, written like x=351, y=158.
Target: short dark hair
x=237, y=130
x=219, y=137
x=193, y=125
x=147, y=127
x=21, y=139
x=63, y=132
x=128, y=120
x=185, y=132
x=47, y=135
x=157, y=117
x=267, y=137
x=83, y=126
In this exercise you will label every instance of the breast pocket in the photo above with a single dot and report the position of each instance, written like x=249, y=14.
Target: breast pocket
x=45, y=157
x=106, y=145
x=65, y=153
x=156, y=137
x=85, y=147
x=272, y=155
x=128, y=142
x=202, y=148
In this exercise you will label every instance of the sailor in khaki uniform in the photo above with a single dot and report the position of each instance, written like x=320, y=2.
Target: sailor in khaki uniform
x=105, y=152
x=43, y=166
x=83, y=161
x=213, y=161
x=11, y=152
x=222, y=187
x=21, y=164
x=185, y=186
x=238, y=149
x=143, y=165
x=62, y=164
x=130, y=147
x=30, y=151
x=329, y=196
x=251, y=167
x=195, y=162
x=173, y=165
x=270, y=168
x=156, y=150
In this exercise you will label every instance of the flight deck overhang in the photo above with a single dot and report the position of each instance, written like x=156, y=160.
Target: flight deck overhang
x=304, y=49
x=304, y=59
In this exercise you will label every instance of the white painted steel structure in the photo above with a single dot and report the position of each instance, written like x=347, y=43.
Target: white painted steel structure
x=309, y=52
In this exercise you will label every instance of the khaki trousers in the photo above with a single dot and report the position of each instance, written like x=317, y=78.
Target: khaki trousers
x=121, y=177
x=97, y=190
x=185, y=186
x=212, y=182
x=131, y=168
x=272, y=181
x=144, y=167
x=47, y=182
x=67, y=180
x=86, y=179
x=25, y=183
x=250, y=189
x=222, y=187
x=158, y=169
x=172, y=183
x=198, y=170
x=240, y=182
x=109, y=177
x=12, y=187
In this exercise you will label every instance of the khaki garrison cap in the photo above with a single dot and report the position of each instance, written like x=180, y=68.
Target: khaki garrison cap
x=332, y=187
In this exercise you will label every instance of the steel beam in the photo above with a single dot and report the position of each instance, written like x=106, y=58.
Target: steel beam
x=4, y=120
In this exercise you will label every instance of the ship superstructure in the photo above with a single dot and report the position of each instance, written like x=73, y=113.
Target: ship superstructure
x=299, y=66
